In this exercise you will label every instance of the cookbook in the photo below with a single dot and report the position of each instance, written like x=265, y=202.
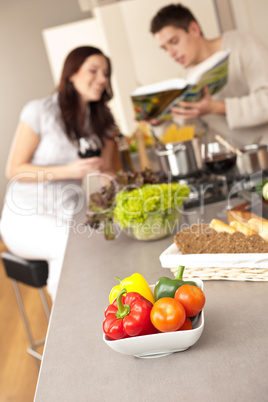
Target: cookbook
x=156, y=100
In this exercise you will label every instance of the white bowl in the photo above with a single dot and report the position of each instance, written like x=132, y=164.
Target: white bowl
x=161, y=344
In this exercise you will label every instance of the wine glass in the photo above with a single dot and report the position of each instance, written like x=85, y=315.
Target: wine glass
x=218, y=154
x=89, y=146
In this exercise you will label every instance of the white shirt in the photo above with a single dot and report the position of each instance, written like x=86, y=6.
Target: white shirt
x=246, y=92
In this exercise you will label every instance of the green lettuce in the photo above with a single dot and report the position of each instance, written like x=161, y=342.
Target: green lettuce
x=155, y=202
x=144, y=203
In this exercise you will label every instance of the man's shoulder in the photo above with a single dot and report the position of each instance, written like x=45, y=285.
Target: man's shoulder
x=237, y=38
x=235, y=34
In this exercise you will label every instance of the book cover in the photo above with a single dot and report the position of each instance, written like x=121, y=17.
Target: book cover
x=156, y=100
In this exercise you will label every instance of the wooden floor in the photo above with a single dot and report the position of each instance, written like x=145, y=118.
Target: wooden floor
x=18, y=371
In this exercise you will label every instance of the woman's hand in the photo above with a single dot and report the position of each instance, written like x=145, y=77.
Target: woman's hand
x=188, y=110
x=82, y=166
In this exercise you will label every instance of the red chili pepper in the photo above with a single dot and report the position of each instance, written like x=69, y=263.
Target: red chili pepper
x=128, y=316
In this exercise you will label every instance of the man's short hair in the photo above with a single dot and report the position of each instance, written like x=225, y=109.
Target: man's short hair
x=174, y=15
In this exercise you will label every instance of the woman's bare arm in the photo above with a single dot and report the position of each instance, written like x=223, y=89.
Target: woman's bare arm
x=23, y=147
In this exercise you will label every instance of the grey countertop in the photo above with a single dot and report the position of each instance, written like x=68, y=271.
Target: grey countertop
x=228, y=363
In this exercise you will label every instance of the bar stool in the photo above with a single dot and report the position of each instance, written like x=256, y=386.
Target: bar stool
x=33, y=273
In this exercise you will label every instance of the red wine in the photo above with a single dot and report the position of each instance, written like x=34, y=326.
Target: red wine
x=89, y=153
x=220, y=163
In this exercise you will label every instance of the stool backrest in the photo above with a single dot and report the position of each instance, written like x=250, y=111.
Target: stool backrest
x=30, y=272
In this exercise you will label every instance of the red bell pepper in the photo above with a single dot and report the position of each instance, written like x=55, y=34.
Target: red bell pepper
x=128, y=316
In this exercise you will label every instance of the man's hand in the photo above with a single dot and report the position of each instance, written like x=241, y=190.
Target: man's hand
x=188, y=110
x=155, y=122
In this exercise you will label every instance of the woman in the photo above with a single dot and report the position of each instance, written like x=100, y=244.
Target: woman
x=44, y=170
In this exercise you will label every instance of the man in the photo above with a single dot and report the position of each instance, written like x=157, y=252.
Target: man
x=240, y=109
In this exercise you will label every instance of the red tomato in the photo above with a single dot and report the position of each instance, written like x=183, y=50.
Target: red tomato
x=187, y=325
x=192, y=298
x=167, y=314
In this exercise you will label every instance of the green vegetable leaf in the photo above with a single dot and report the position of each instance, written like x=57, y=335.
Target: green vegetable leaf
x=144, y=201
x=133, y=207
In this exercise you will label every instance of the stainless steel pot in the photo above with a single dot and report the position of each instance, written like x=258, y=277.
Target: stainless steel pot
x=181, y=159
x=253, y=159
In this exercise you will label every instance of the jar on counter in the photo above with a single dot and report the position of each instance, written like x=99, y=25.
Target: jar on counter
x=123, y=148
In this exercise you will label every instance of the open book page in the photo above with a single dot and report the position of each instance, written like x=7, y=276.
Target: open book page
x=168, y=85
x=214, y=77
x=156, y=100
x=154, y=105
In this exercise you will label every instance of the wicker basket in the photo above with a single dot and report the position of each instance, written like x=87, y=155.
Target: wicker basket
x=233, y=274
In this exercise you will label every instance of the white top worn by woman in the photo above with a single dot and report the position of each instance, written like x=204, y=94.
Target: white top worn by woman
x=55, y=198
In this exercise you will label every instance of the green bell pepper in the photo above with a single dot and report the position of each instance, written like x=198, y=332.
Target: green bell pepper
x=166, y=287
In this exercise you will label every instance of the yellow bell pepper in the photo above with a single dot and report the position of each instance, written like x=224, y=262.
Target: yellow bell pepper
x=133, y=283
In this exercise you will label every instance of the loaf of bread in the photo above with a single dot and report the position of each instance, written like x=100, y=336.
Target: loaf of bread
x=193, y=239
x=202, y=239
x=225, y=243
x=243, y=227
x=220, y=226
x=260, y=226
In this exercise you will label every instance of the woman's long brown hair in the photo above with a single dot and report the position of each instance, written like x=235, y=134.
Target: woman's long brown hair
x=101, y=119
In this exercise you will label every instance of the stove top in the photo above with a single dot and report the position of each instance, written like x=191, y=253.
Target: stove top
x=210, y=188
x=205, y=189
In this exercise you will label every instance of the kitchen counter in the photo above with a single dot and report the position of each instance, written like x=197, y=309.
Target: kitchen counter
x=228, y=363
